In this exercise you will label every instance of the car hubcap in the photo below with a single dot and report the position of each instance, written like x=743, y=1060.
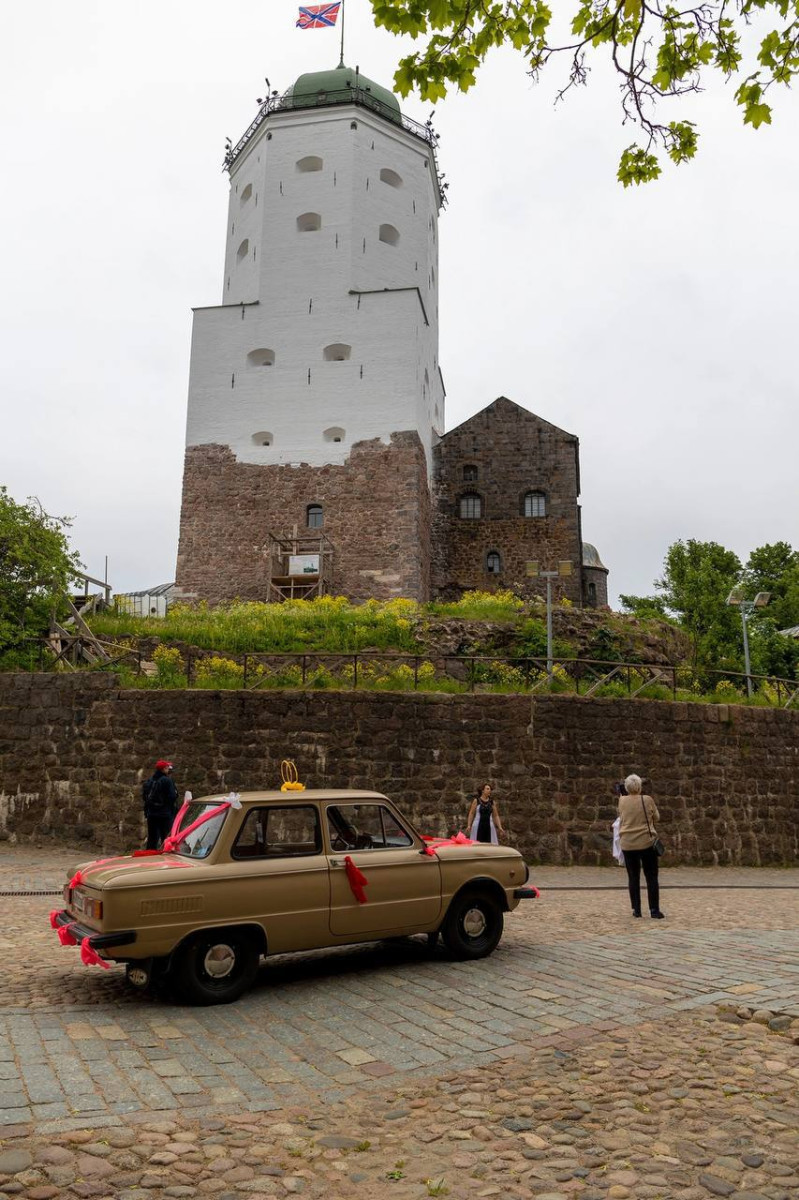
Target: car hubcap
x=219, y=961
x=474, y=923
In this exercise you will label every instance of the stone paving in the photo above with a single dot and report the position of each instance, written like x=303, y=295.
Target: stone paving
x=386, y=1044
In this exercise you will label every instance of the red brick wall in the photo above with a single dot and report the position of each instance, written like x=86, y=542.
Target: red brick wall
x=376, y=514
x=514, y=452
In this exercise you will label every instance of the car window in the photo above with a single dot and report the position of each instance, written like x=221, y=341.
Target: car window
x=365, y=827
x=201, y=842
x=284, y=832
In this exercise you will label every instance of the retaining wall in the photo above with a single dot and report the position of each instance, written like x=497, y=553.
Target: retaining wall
x=74, y=750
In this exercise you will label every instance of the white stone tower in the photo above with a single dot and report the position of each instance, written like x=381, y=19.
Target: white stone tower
x=316, y=383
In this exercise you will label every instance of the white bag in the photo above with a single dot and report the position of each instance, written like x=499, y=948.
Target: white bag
x=618, y=853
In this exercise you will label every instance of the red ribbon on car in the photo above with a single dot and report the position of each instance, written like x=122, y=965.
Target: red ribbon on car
x=357, y=880
x=432, y=844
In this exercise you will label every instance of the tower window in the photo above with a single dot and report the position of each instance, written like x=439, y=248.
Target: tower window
x=245, y=195
x=390, y=177
x=389, y=235
x=314, y=516
x=261, y=358
x=337, y=352
x=263, y=438
x=535, y=504
x=334, y=434
x=592, y=595
x=243, y=250
x=471, y=506
x=311, y=162
x=309, y=222
x=470, y=473
x=493, y=563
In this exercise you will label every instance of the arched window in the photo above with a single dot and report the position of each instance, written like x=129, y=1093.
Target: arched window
x=308, y=222
x=592, y=595
x=470, y=506
x=389, y=235
x=470, y=473
x=314, y=516
x=334, y=434
x=390, y=177
x=311, y=162
x=261, y=358
x=535, y=504
x=245, y=195
x=264, y=438
x=243, y=250
x=493, y=563
x=336, y=352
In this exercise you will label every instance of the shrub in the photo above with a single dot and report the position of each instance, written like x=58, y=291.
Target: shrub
x=485, y=606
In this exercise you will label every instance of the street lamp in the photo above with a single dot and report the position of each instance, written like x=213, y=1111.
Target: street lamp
x=747, y=607
x=563, y=571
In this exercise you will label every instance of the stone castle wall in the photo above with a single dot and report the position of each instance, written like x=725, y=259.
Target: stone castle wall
x=74, y=750
x=512, y=452
x=376, y=515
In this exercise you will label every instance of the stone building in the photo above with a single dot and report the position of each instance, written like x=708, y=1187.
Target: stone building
x=316, y=458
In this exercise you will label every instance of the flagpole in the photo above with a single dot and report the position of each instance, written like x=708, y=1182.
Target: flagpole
x=341, y=63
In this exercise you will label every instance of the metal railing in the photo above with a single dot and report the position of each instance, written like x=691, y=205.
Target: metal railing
x=350, y=95
x=484, y=673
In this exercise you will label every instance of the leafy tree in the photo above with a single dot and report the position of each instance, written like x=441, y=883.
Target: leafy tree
x=646, y=608
x=774, y=569
x=697, y=579
x=660, y=52
x=36, y=566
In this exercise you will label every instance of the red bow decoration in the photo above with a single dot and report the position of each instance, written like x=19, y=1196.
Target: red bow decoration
x=65, y=935
x=460, y=839
x=54, y=919
x=90, y=957
x=76, y=879
x=357, y=880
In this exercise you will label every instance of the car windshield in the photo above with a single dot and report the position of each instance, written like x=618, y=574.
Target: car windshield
x=202, y=840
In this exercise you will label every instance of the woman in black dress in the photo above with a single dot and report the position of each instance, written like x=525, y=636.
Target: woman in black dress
x=484, y=822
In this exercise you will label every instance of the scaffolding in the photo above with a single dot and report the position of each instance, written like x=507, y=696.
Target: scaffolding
x=300, y=566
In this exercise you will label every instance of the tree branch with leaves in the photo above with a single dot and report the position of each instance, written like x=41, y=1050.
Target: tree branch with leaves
x=659, y=52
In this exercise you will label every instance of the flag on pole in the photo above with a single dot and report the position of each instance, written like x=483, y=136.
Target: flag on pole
x=318, y=16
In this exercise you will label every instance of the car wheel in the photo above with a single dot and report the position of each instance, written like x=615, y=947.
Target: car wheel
x=214, y=967
x=473, y=925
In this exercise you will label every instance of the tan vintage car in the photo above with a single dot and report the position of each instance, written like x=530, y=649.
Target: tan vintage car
x=278, y=871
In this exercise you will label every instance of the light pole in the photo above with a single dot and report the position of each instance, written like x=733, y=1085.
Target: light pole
x=747, y=607
x=563, y=571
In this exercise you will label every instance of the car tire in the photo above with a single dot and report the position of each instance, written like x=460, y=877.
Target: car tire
x=215, y=967
x=473, y=925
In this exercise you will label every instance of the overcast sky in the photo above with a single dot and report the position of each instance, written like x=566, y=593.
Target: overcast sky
x=659, y=324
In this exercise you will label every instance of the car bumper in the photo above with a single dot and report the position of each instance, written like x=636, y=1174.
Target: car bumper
x=528, y=892
x=97, y=941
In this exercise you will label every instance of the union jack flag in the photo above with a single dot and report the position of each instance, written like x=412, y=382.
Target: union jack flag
x=318, y=16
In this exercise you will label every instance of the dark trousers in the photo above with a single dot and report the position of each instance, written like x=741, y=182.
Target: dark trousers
x=157, y=829
x=633, y=861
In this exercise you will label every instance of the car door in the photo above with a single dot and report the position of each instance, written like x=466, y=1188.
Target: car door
x=281, y=876
x=403, y=884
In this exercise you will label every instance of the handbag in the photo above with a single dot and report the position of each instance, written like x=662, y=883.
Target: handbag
x=657, y=845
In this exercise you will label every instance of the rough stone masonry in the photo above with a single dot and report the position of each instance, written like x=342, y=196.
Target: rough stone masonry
x=74, y=750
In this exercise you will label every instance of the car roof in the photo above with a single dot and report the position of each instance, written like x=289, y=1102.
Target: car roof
x=275, y=796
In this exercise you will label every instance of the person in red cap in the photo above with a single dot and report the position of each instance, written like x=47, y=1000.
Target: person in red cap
x=160, y=803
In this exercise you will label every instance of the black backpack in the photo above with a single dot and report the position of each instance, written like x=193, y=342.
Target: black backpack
x=148, y=790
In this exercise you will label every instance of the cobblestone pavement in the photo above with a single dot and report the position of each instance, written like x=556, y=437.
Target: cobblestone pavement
x=585, y=1058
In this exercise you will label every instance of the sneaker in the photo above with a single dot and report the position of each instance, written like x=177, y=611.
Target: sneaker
x=657, y=915
x=636, y=912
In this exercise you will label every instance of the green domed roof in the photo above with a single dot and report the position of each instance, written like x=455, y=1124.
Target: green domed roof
x=342, y=86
